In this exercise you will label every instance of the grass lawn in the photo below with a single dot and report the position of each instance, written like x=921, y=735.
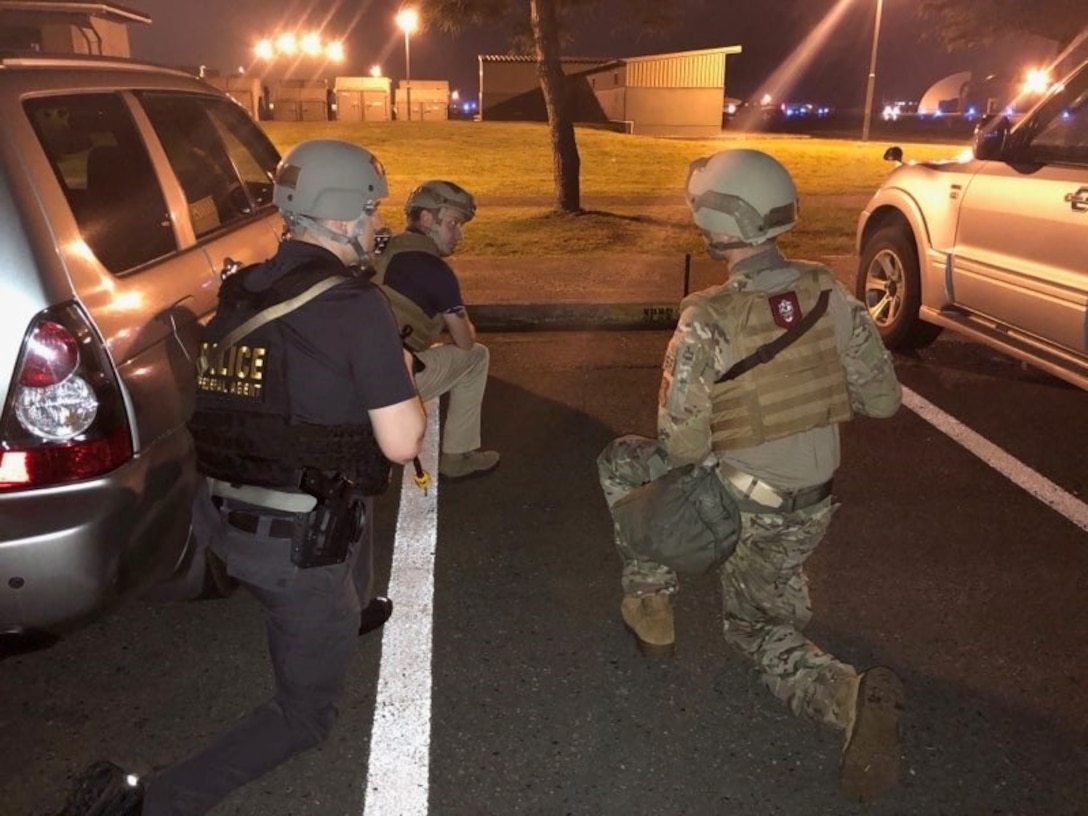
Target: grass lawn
x=632, y=186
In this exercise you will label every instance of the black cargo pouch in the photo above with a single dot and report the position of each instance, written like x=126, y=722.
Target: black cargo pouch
x=324, y=536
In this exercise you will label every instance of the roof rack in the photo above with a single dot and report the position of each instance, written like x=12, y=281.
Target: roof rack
x=37, y=59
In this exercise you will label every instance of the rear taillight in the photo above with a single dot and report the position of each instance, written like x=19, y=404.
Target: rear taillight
x=64, y=420
x=50, y=355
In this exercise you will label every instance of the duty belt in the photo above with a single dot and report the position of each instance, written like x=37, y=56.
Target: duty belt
x=759, y=491
x=263, y=496
x=257, y=523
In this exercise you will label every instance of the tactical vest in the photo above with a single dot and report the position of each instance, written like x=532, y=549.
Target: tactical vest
x=242, y=425
x=804, y=387
x=417, y=330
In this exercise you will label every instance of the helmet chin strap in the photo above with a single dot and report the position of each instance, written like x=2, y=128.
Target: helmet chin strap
x=718, y=249
x=351, y=239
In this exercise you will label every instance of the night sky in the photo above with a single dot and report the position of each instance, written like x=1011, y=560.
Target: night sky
x=221, y=36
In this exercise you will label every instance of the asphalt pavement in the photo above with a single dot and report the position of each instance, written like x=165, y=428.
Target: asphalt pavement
x=941, y=563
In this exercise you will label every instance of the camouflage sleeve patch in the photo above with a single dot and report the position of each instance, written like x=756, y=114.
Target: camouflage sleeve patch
x=683, y=405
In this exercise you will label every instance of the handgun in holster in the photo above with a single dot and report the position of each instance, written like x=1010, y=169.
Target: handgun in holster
x=324, y=536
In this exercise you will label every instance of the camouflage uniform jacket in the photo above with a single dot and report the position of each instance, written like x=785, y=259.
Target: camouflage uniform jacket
x=700, y=352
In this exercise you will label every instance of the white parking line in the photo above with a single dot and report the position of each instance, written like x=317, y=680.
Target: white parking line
x=1009, y=466
x=397, y=782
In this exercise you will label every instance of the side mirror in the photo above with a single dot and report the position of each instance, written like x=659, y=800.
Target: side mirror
x=991, y=137
x=894, y=154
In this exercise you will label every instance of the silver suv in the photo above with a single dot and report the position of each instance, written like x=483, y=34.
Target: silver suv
x=124, y=189
x=995, y=245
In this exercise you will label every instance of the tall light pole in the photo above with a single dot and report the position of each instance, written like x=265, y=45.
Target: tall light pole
x=872, y=75
x=408, y=20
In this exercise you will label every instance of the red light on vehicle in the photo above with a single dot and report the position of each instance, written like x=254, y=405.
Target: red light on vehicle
x=61, y=464
x=52, y=354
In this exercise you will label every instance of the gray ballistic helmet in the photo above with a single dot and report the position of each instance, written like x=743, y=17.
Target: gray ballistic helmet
x=743, y=193
x=435, y=194
x=329, y=179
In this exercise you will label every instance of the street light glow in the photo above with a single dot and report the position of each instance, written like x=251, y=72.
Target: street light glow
x=311, y=44
x=288, y=44
x=375, y=70
x=1036, y=82
x=408, y=20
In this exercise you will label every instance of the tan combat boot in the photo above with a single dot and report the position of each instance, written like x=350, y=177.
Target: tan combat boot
x=649, y=619
x=470, y=463
x=872, y=758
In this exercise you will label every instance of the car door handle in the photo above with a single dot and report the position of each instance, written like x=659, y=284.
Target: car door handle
x=1078, y=200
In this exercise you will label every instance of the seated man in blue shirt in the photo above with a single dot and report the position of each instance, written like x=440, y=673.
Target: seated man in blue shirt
x=426, y=298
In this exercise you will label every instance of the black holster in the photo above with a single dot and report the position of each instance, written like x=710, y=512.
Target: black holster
x=324, y=536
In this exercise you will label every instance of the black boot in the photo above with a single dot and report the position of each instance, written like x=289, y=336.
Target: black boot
x=377, y=612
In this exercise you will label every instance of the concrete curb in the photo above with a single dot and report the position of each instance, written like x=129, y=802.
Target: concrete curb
x=514, y=317
x=622, y=292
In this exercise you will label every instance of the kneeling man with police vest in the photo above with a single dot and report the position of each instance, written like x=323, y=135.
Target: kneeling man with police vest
x=305, y=394
x=760, y=373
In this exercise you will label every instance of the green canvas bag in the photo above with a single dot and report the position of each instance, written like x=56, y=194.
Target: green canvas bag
x=685, y=520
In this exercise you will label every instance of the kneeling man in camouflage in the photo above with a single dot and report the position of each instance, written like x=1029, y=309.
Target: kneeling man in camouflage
x=759, y=374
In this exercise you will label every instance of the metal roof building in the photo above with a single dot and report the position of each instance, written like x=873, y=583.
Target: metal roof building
x=678, y=94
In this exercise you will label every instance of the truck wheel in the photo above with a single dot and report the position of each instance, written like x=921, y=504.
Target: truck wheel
x=889, y=284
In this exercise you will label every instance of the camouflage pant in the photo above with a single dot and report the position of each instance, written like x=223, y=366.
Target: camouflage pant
x=765, y=600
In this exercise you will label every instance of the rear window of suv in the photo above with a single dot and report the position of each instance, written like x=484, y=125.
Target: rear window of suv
x=224, y=162
x=107, y=176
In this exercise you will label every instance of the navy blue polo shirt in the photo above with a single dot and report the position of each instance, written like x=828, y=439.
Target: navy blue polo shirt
x=427, y=280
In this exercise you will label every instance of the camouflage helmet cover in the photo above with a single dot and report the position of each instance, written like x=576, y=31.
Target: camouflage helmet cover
x=435, y=194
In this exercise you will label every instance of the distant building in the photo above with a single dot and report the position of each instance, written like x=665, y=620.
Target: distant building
x=430, y=100
x=363, y=99
x=244, y=90
x=71, y=27
x=946, y=95
x=299, y=100
x=677, y=94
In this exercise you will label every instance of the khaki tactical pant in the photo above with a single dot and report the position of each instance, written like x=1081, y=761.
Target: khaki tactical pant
x=463, y=375
x=765, y=600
